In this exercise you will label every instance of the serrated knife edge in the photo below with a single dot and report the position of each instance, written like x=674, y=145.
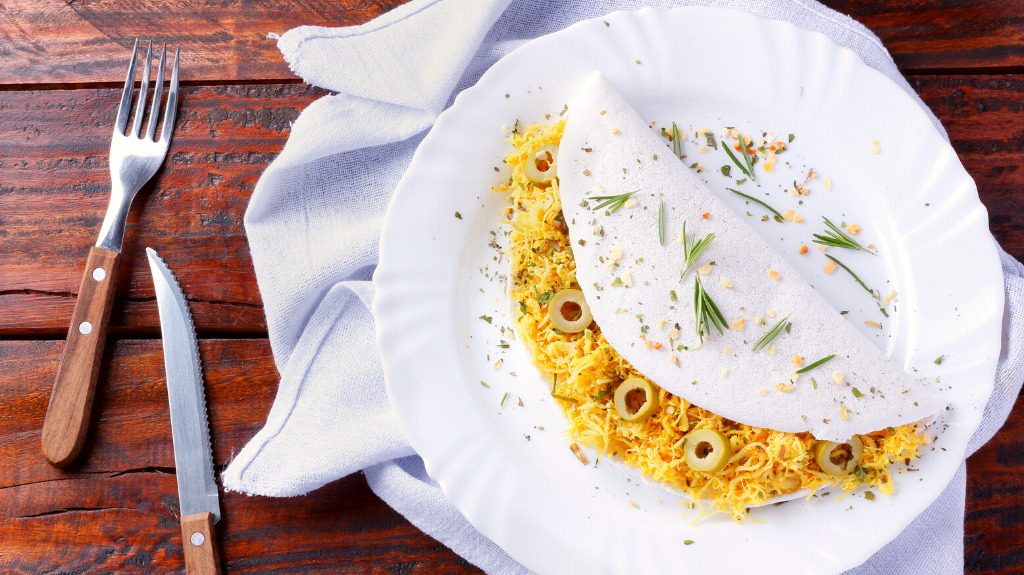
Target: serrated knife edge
x=190, y=429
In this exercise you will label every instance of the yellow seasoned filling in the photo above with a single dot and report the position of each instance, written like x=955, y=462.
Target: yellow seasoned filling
x=584, y=370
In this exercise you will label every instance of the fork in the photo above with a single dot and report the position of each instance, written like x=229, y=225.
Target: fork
x=133, y=161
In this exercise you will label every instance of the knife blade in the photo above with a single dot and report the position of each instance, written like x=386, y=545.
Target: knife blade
x=193, y=458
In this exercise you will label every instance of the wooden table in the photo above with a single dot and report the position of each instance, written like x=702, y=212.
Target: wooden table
x=61, y=64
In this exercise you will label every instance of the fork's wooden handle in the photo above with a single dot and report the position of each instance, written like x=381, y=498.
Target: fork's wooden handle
x=67, y=416
x=200, y=543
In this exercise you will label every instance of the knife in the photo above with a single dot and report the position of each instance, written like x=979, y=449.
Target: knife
x=193, y=459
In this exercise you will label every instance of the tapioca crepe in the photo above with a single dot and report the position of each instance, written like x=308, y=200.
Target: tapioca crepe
x=633, y=287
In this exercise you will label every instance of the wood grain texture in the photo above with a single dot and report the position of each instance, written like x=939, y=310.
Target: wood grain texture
x=54, y=190
x=118, y=508
x=87, y=41
x=70, y=404
x=943, y=34
x=200, y=542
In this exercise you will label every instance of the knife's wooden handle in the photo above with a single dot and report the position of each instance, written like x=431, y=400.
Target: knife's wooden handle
x=67, y=416
x=200, y=543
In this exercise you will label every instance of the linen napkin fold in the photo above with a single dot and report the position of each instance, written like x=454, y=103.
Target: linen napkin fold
x=314, y=221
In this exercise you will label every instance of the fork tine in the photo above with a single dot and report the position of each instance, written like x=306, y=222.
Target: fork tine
x=140, y=108
x=158, y=91
x=126, y=94
x=172, y=101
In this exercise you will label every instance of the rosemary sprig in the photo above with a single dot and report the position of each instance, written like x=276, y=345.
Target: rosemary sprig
x=747, y=167
x=778, y=216
x=815, y=364
x=725, y=146
x=692, y=249
x=677, y=141
x=835, y=237
x=661, y=223
x=842, y=265
x=554, y=386
x=707, y=312
x=615, y=202
x=771, y=334
x=746, y=157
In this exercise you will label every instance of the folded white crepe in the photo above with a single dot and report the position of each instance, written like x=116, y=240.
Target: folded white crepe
x=607, y=149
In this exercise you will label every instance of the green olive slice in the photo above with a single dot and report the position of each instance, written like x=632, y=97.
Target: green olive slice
x=569, y=312
x=707, y=450
x=839, y=459
x=542, y=167
x=636, y=399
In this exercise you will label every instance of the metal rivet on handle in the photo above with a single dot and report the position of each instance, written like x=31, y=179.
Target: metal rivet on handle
x=99, y=274
x=197, y=539
x=85, y=328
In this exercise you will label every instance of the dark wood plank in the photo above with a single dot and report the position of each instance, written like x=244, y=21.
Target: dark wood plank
x=54, y=191
x=87, y=41
x=994, y=522
x=117, y=509
x=53, y=156
x=984, y=117
x=50, y=42
x=943, y=34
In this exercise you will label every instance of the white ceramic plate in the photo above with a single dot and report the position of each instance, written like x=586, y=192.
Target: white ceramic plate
x=499, y=451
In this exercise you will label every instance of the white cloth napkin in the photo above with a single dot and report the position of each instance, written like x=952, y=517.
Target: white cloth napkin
x=314, y=221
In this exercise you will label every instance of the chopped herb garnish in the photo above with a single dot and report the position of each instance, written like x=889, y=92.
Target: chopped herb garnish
x=677, y=142
x=688, y=542
x=857, y=393
x=458, y=215
x=614, y=202
x=842, y=265
x=740, y=182
x=885, y=313
x=835, y=237
x=816, y=364
x=603, y=394
x=791, y=138
x=732, y=157
x=938, y=360
x=706, y=311
x=869, y=496
x=661, y=223
x=503, y=398
x=616, y=282
x=778, y=216
x=746, y=157
x=859, y=472
x=672, y=295
x=486, y=318
x=554, y=386
x=522, y=307
x=484, y=383
x=711, y=140
x=726, y=170
x=771, y=334
x=692, y=250
x=545, y=297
